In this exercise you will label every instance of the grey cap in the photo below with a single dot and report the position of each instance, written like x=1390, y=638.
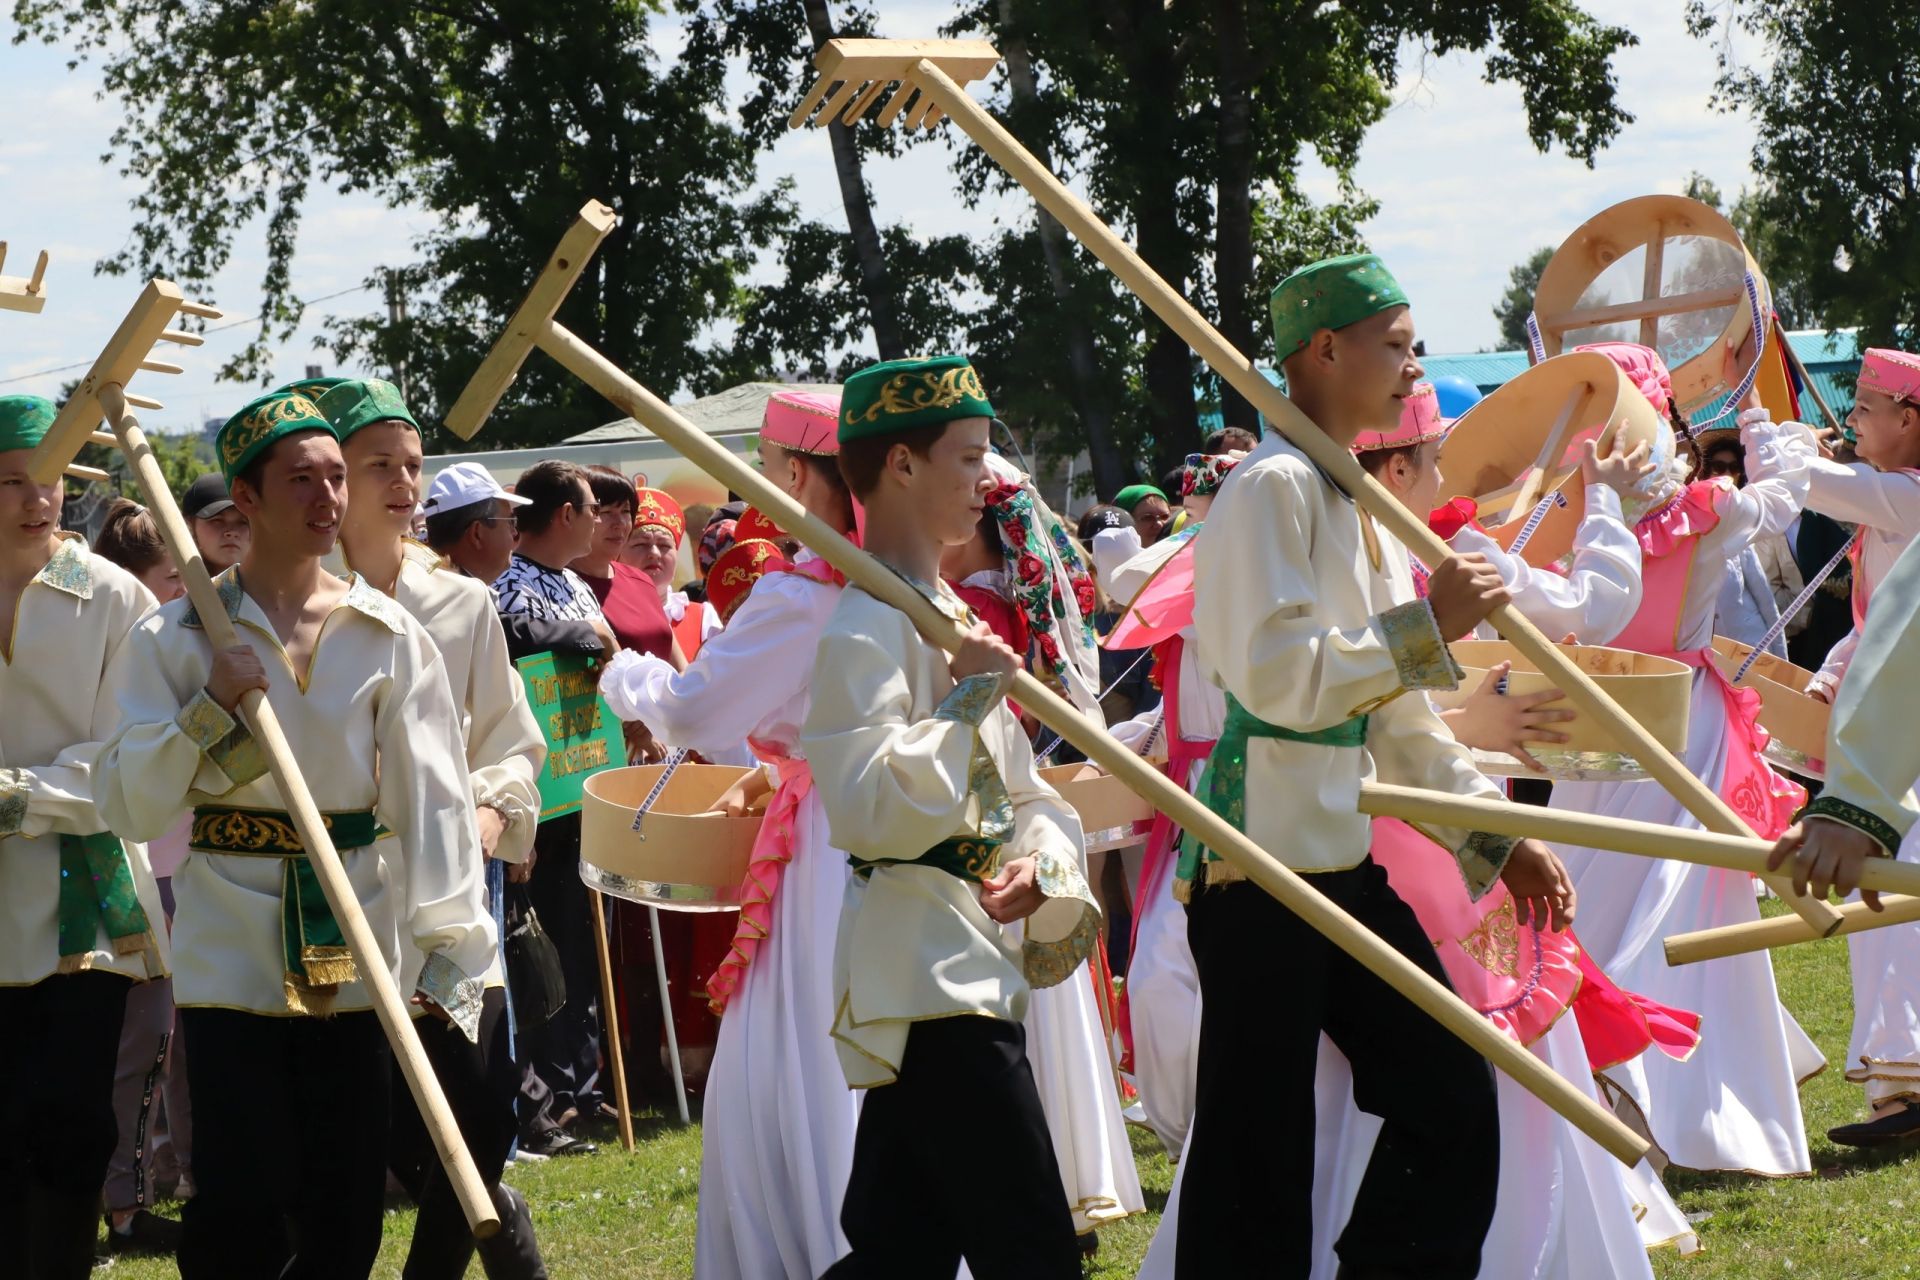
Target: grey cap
x=206, y=497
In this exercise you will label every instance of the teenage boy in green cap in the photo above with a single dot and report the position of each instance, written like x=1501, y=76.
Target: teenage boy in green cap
x=1324, y=665
x=505, y=752
x=268, y=991
x=77, y=908
x=929, y=786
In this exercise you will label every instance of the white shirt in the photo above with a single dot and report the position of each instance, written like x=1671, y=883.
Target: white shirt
x=1599, y=594
x=1299, y=619
x=1886, y=504
x=61, y=700
x=375, y=726
x=903, y=760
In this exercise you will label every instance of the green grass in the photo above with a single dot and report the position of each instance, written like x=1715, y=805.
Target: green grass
x=616, y=1216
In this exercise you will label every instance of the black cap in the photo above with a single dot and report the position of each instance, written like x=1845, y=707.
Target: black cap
x=206, y=497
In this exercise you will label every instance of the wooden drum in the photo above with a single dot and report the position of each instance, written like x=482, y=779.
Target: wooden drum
x=1111, y=814
x=1664, y=271
x=683, y=858
x=1795, y=722
x=1656, y=692
x=1524, y=441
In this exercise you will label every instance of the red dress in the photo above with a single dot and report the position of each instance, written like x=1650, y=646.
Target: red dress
x=633, y=610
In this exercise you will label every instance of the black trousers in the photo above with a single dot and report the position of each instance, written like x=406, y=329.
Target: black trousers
x=1270, y=984
x=565, y=1053
x=289, y=1154
x=953, y=1160
x=57, y=1057
x=481, y=1081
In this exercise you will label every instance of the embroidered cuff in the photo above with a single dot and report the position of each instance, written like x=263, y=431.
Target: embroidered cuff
x=1883, y=832
x=1049, y=963
x=506, y=805
x=240, y=757
x=442, y=982
x=972, y=700
x=1419, y=650
x=204, y=721
x=1481, y=860
x=14, y=786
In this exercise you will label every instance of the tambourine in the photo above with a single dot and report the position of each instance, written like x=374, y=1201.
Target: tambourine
x=1796, y=723
x=683, y=858
x=1521, y=446
x=1657, y=692
x=1667, y=272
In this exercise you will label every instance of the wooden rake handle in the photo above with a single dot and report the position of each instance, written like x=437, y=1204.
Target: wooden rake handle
x=1179, y=315
x=1623, y=835
x=1786, y=931
x=281, y=763
x=1268, y=872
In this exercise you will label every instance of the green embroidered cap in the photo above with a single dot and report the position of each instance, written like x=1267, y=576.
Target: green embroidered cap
x=350, y=406
x=311, y=388
x=273, y=416
x=1135, y=494
x=897, y=395
x=24, y=421
x=1330, y=294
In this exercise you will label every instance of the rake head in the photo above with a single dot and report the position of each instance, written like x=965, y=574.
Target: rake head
x=23, y=293
x=856, y=74
x=128, y=352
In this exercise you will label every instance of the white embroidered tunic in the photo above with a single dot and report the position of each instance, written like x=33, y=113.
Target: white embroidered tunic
x=58, y=703
x=904, y=761
x=374, y=726
x=1295, y=616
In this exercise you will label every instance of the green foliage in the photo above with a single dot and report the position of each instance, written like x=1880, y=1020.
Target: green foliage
x=1835, y=101
x=498, y=117
x=1516, y=304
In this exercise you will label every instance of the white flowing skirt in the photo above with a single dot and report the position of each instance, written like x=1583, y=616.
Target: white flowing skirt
x=1884, y=1053
x=1163, y=998
x=777, y=1147
x=1073, y=1068
x=1735, y=1103
x=1566, y=1209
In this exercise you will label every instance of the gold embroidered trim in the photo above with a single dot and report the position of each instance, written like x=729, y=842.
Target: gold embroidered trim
x=1419, y=650
x=204, y=722
x=1494, y=944
x=69, y=570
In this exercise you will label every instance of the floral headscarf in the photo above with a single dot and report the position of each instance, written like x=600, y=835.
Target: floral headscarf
x=1051, y=585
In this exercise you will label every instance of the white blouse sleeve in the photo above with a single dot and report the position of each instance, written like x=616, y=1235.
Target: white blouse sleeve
x=1776, y=492
x=1597, y=597
x=1858, y=494
x=505, y=749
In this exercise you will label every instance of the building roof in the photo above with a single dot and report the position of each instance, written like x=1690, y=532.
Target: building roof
x=735, y=411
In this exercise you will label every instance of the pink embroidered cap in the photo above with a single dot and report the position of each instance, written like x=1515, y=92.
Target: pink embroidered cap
x=1891, y=373
x=1420, y=421
x=1644, y=369
x=803, y=421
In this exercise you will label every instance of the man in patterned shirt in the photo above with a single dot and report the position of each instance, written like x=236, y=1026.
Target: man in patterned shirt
x=557, y=526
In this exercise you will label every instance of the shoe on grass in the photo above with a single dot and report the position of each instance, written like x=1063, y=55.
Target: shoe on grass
x=1899, y=1125
x=144, y=1232
x=556, y=1141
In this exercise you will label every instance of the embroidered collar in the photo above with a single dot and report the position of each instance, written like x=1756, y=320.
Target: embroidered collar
x=69, y=570
x=360, y=596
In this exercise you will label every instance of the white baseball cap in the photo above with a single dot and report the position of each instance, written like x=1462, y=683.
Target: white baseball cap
x=462, y=485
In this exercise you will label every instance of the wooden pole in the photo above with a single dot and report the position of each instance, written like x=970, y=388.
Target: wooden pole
x=1309, y=904
x=24, y=293
x=325, y=860
x=1179, y=315
x=1650, y=279
x=610, y=1019
x=1624, y=835
x=1786, y=931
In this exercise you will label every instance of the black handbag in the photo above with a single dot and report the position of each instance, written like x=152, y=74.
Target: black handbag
x=535, y=982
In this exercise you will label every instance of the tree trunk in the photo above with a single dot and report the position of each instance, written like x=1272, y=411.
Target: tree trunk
x=1110, y=470
x=1233, y=200
x=875, y=281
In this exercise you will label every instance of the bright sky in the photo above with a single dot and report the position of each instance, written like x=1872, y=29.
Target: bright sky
x=1463, y=197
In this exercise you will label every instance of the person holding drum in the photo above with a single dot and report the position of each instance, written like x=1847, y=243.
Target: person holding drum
x=1308, y=622
x=778, y=1143
x=1881, y=494
x=1734, y=1105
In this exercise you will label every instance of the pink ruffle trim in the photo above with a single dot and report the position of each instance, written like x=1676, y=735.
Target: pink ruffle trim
x=773, y=849
x=1692, y=512
x=1619, y=1026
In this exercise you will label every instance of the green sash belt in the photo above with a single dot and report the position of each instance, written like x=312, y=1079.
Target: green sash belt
x=965, y=858
x=1224, y=788
x=96, y=890
x=317, y=959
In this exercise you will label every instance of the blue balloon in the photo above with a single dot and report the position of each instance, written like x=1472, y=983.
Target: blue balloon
x=1456, y=394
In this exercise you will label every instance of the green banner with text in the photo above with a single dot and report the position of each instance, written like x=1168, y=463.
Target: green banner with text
x=583, y=736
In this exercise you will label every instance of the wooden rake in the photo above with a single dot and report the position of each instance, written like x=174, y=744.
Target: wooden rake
x=533, y=326
x=858, y=72
x=23, y=293
x=103, y=394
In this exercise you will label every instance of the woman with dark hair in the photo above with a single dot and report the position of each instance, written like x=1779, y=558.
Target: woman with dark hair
x=627, y=596
x=130, y=538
